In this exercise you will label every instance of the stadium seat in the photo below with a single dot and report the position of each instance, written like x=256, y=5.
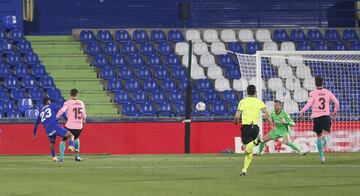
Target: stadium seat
x=118, y=61
x=350, y=35
x=214, y=72
x=6, y=47
x=7, y=106
x=100, y=61
x=175, y=36
x=321, y=45
x=29, y=82
x=16, y=35
x=303, y=46
x=211, y=35
x=25, y=104
x=253, y=81
x=287, y=46
x=230, y=96
x=24, y=46
x=292, y=83
x=147, y=109
x=303, y=72
x=3, y=36
x=222, y=84
x=314, y=35
x=309, y=83
x=104, y=36
x=139, y=97
x=54, y=93
x=164, y=48
x=13, y=58
x=295, y=60
x=275, y=84
x=219, y=109
x=176, y=96
x=252, y=47
x=204, y=85
x=9, y=22
x=197, y=72
x=3, y=94
x=164, y=109
x=280, y=35
x=207, y=60
x=143, y=72
x=47, y=82
x=87, y=36
x=168, y=84
x=196, y=96
x=150, y=85
x=32, y=113
x=147, y=48
x=93, y=49
x=339, y=46
x=132, y=84
x=36, y=94
x=300, y=95
x=297, y=35
x=355, y=45
x=283, y=95
x=185, y=60
x=18, y=94
x=211, y=96
x=111, y=48
x=129, y=48
x=14, y=114
x=172, y=60
x=122, y=36
x=158, y=36
x=200, y=48
x=285, y=71
x=263, y=35
x=161, y=73
x=130, y=109
x=291, y=107
x=125, y=73
x=193, y=34
x=246, y=35
x=107, y=73
x=154, y=61
x=140, y=36
x=225, y=60
x=21, y=71
x=236, y=47
x=157, y=96
x=122, y=97
x=114, y=85
x=270, y=46
x=183, y=84
x=228, y=35
x=332, y=35
x=179, y=73
x=136, y=61
x=182, y=48
x=11, y=82
x=218, y=48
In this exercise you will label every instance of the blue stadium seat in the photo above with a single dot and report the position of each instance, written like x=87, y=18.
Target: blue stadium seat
x=225, y=60
x=204, y=85
x=21, y=71
x=121, y=97
x=297, y=35
x=114, y=85
x=13, y=58
x=235, y=47
x=6, y=47
x=125, y=73
x=314, y=35
x=54, y=93
x=232, y=108
x=118, y=61
x=31, y=58
x=147, y=48
x=11, y=82
x=332, y=35
x=38, y=71
x=7, y=106
x=211, y=96
x=164, y=48
x=161, y=73
x=140, y=36
x=150, y=84
x=339, y=46
x=355, y=45
x=321, y=45
x=157, y=96
x=164, y=109
x=154, y=61
x=267, y=95
x=2, y=115
x=179, y=72
x=107, y=73
x=129, y=48
x=122, y=36
x=168, y=84
x=93, y=49
x=136, y=61
x=158, y=36
x=183, y=84
x=233, y=72
x=4, y=70
x=147, y=109
x=252, y=47
x=47, y=82
x=230, y=96
x=36, y=94
x=24, y=47
x=104, y=36
x=219, y=109
x=25, y=104
x=87, y=36
x=32, y=113
x=280, y=35
x=176, y=96
x=100, y=61
x=172, y=60
x=179, y=108
x=9, y=22
x=139, y=97
x=303, y=46
x=143, y=72
x=350, y=35
x=200, y=113
x=14, y=114
x=132, y=84
x=3, y=36
x=16, y=35
x=175, y=36
x=196, y=96
x=18, y=94
x=130, y=109
x=111, y=48
x=30, y=82
x=3, y=94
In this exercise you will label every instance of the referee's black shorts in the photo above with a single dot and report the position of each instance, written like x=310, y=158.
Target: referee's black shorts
x=322, y=123
x=249, y=133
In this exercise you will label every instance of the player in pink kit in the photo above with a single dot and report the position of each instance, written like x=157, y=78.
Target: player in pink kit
x=76, y=115
x=319, y=101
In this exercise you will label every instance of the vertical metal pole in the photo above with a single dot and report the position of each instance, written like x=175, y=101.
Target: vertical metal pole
x=188, y=103
x=259, y=86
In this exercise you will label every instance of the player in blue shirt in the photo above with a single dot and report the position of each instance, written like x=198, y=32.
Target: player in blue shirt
x=47, y=116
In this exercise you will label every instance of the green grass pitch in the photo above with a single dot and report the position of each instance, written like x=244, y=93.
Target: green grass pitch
x=198, y=175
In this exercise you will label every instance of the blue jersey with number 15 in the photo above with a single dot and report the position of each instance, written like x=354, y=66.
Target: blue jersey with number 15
x=47, y=116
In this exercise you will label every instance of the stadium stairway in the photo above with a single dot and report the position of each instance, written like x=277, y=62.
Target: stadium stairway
x=66, y=63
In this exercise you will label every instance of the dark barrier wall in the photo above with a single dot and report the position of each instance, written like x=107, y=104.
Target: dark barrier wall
x=59, y=17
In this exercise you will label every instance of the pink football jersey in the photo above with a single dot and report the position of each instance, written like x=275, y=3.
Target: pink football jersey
x=319, y=101
x=76, y=113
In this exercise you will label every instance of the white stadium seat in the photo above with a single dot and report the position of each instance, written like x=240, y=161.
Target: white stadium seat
x=292, y=83
x=246, y=35
x=275, y=84
x=277, y=61
x=285, y=72
x=193, y=34
x=218, y=48
x=253, y=81
x=291, y=107
x=197, y=72
x=287, y=46
x=296, y=60
x=270, y=46
x=207, y=60
x=300, y=95
x=263, y=35
x=211, y=35
x=269, y=105
x=222, y=84
x=214, y=72
x=283, y=95
x=309, y=83
x=228, y=35
x=240, y=84
x=182, y=48
x=303, y=72
x=200, y=48
x=185, y=60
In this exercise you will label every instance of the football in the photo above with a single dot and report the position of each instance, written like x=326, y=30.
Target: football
x=200, y=107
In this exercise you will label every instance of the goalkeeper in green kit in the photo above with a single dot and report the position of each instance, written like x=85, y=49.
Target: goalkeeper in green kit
x=283, y=122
